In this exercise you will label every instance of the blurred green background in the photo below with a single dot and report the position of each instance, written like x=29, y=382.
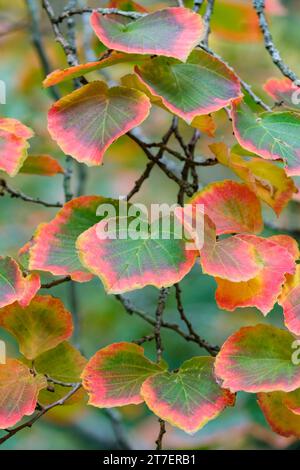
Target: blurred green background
x=102, y=319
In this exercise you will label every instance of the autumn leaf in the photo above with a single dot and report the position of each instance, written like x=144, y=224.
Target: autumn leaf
x=40, y=326
x=114, y=375
x=201, y=85
x=86, y=122
x=258, y=359
x=42, y=165
x=284, y=92
x=172, y=32
x=281, y=419
x=188, y=398
x=19, y=390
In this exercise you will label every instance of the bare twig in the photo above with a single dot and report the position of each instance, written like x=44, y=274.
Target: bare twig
x=14, y=193
x=259, y=6
x=56, y=282
x=104, y=11
x=207, y=19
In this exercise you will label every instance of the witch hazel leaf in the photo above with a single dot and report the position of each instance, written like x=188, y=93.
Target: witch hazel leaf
x=86, y=122
x=263, y=290
x=172, y=32
x=281, y=419
x=125, y=263
x=231, y=206
x=284, y=92
x=188, y=398
x=42, y=165
x=230, y=258
x=201, y=85
x=268, y=181
x=13, y=145
x=258, y=359
x=289, y=300
x=41, y=326
x=64, y=364
x=108, y=59
x=273, y=136
x=19, y=390
x=53, y=246
x=287, y=242
x=205, y=123
x=114, y=375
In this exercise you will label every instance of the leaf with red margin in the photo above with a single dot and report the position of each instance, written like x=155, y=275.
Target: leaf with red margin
x=19, y=391
x=269, y=182
x=188, y=398
x=172, y=32
x=281, y=419
x=64, y=364
x=108, y=59
x=11, y=281
x=86, y=122
x=124, y=263
x=263, y=290
x=32, y=284
x=204, y=123
x=53, y=246
x=41, y=326
x=273, y=136
x=42, y=165
x=201, y=85
x=13, y=145
x=284, y=91
x=114, y=375
x=287, y=242
x=289, y=300
x=258, y=359
x=230, y=258
x=292, y=401
x=231, y=206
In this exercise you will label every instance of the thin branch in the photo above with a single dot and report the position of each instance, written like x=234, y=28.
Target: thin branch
x=104, y=11
x=207, y=19
x=197, y=5
x=162, y=431
x=259, y=6
x=56, y=282
x=14, y=193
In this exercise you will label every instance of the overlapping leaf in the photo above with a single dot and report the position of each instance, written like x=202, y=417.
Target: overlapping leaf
x=125, y=263
x=284, y=92
x=19, y=391
x=64, y=364
x=42, y=165
x=53, y=247
x=11, y=281
x=108, y=59
x=258, y=359
x=268, y=181
x=290, y=301
x=13, y=145
x=86, y=122
x=114, y=375
x=231, y=258
x=41, y=326
x=231, y=206
x=188, y=398
x=263, y=290
x=201, y=85
x=281, y=419
x=273, y=136
x=172, y=32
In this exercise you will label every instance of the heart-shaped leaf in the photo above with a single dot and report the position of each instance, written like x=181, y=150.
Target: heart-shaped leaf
x=114, y=375
x=273, y=136
x=188, y=398
x=172, y=32
x=86, y=122
x=19, y=390
x=41, y=326
x=201, y=85
x=125, y=263
x=258, y=359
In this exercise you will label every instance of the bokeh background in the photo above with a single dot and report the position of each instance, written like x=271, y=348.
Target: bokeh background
x=236, y=37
